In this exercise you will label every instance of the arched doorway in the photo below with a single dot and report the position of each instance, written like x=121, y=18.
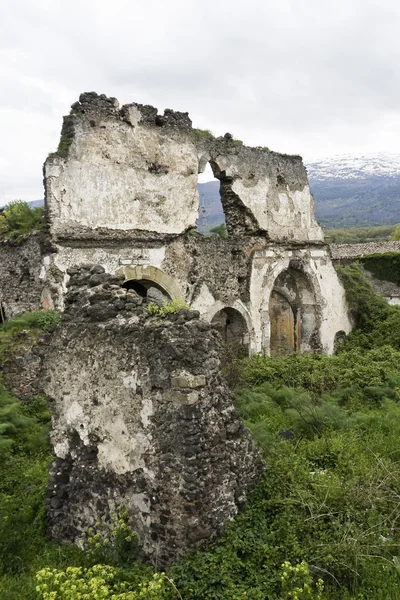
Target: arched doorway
x=233, y=329
x=293, y=315
x=150, y=283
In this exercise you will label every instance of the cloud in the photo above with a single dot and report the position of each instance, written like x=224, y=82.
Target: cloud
x=314, y=78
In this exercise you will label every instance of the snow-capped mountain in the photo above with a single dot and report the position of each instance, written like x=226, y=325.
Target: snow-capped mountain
x=349, y=166
x=358, y=190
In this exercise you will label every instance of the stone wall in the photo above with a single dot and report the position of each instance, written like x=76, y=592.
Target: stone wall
x=132, y=170
x=20, y=275
x=353, y=251
x=141, y=418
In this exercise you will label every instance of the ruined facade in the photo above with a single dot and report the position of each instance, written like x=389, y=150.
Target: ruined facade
x=121, y=192
x=140, y=415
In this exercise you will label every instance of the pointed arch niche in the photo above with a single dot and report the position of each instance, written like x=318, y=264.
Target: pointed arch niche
x=293, y=315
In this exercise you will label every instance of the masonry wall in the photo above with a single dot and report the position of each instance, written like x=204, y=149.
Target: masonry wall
x=21, y=275
x=132, y=170
x=141, y=418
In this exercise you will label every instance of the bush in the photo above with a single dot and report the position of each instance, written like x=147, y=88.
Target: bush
x=40, y=319
x=220, y=230
x=167, y=308
x=385, y=266
x=100, y=582
x=19, y=218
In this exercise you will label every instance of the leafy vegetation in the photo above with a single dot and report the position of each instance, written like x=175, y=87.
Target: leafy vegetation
x=204, y=134
x=18, y=219
x=24, y=329
x=359, y=235
x=385, y=266
x=396, y=233
x=167, y=308
x=220, y=230
x=323, y=523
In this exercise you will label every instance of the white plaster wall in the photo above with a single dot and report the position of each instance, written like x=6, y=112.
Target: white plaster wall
x=105, y=180
x=268, y=264
x=286, y=212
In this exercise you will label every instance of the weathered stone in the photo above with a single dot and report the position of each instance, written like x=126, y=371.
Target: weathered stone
x=188, y=381
x=132, y=409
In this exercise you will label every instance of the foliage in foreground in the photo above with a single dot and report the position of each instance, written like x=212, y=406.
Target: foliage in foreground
x=323, y=523
x=19, y=219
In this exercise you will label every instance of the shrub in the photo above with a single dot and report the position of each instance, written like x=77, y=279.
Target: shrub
x=19, y=218
x=167, y=308
x=220, y=230
x=385, y=266
x=204, y=134
x=100, y=582
x=40, y=319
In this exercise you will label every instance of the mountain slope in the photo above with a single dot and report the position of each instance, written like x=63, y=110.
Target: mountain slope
x=352, y=191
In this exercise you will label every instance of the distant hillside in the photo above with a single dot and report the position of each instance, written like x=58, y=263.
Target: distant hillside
x=210, y=209
x=349, y=191
x=353, y=191
x=35, y=203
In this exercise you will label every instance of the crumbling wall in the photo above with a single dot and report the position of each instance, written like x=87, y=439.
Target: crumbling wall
x=132, y=170
x=20, y=275
x=141, y=418
x=127, y=169
x=263, y=192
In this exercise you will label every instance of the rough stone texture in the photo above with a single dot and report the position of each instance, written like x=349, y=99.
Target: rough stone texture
x=21, y=370
x=20, y=275
x=354, y=251
x=135, y=170
x=141, y=418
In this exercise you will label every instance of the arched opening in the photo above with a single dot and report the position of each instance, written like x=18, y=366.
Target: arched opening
x=149, y=290
x=293, y=315
x=339, y=340
x=211, y=219
x=150, y=283
x=233, y=329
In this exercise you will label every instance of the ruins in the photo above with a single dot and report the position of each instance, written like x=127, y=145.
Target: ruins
x=121, y=192
x=141, y=416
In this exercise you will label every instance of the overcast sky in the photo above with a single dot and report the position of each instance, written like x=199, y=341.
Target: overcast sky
x=315, y=77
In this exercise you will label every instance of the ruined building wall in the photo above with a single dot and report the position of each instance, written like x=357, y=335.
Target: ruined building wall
x=130, y=169
x=121, y=191
x=141, y=418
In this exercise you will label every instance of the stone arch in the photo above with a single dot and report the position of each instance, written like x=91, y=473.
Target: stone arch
x=293, y=313
x=145, y=277
x=233, y=328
